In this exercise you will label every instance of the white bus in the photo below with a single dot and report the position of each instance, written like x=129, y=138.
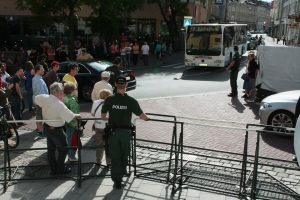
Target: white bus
x=211, y=45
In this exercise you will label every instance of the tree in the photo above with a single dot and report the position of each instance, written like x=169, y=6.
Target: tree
x=172, y=12
x=113, y=14
x=61, y=11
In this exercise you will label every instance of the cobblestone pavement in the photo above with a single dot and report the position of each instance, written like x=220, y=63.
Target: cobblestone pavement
x=196, y=133
x=133, y=188
x=204, y=106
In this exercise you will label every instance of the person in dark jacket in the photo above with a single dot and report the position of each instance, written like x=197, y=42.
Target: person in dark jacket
x=253, y=70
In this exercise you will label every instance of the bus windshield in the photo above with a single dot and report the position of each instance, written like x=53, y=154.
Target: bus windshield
x=204, y=40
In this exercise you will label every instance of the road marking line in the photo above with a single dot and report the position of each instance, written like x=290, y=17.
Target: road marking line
x=172, y=65
x=191, y=75
x=178, y=67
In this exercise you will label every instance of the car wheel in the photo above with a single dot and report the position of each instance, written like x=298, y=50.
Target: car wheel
x=281, y=119
x=86, y=92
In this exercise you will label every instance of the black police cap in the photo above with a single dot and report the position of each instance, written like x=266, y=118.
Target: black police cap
x=120, y=79
x=117, y=60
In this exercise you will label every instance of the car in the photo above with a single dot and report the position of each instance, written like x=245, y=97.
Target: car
x=279, y=110
x=251, y=43
x=90, y=72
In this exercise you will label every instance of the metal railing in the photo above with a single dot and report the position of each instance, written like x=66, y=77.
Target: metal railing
x=181, y=164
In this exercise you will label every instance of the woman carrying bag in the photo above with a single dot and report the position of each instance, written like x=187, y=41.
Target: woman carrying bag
x=253, y=70
x=70, y=100
x=246, y=85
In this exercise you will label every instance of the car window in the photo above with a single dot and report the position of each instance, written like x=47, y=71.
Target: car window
x=83, y=69
x=100, y=65
x=63, y=68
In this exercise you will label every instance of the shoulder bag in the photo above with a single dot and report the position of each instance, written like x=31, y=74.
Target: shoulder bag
x=93, y=127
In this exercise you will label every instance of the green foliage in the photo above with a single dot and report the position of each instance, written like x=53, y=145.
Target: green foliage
x=106, y=19
x=113, y=14
x=173, y=12
x=45, y=12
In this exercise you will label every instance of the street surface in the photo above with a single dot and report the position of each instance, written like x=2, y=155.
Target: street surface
x=199, y=93
x=191, y=94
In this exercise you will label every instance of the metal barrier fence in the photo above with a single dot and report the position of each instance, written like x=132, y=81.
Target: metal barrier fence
x=244, y=180
x=174, y=159
x=11, y=173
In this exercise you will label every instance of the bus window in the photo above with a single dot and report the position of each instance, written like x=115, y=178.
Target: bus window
x=204, y=40
x=229, y=35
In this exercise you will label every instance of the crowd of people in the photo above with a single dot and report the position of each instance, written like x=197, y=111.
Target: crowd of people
x=55, y=102
x=128, y=48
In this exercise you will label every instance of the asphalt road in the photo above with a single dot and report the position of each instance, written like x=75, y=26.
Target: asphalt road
x=177, y=80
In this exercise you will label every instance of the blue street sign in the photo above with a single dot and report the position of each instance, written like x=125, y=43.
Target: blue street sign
x=187, y=22
x=218, y=2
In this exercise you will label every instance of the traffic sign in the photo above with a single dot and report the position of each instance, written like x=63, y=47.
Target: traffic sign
x=218, y=2
x=187, y=22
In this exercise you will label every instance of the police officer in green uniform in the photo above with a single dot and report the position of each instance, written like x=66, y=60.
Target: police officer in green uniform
x=114, y=72
x=234, y=67
x=120, y=107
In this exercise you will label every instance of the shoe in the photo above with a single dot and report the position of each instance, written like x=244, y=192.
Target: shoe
x=73, y=159
x=118, y=184
x=127, y=174
x=108, y=166
x=66, y=171
x=231, y=95
x=295, y=158
x=247, y=97
x=244, y=96
x=98, y=163
x=41, y=135
x=249, y=101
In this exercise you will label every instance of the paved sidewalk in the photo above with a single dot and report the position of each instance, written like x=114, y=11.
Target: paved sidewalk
x=211, y=106
x=196, y=106
x=274, y=43
x=91, y=188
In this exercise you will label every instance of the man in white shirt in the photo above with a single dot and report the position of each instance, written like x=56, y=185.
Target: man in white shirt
x=145, y=52
x=103, y=84
x=54, y=109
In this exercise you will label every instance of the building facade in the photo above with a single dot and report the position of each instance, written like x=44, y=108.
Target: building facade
x=144, y=24
x=286, y=18
x=244, y=13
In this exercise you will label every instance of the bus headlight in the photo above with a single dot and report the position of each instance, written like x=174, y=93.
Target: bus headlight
x=187, y=60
